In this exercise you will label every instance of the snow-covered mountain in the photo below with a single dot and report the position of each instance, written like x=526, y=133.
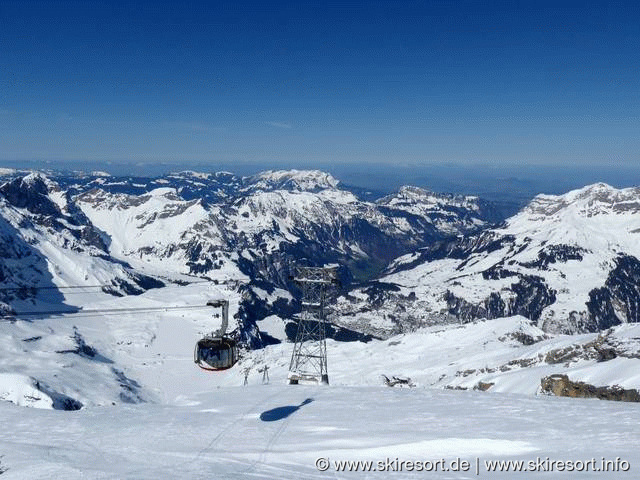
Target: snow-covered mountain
x=266, y=222
x=452, y=214
x=570, y=263
x=47, y=243
x=147, y=253
x=124, y=236
x=248, y=232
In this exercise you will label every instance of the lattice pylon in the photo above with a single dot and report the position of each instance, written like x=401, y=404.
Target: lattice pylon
x=309, y=357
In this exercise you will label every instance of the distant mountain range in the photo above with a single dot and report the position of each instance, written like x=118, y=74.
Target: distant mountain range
x=496, y=294
x=569, y=263
x=132, y=234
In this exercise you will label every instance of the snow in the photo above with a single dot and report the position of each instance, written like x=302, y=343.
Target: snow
x=192, y=174
x=152, y=231
x=219, y=433
x=419, y=201
x=20, y=389
x=298, y=179
x=187, y=423
x=149, y=412
x=274, y=326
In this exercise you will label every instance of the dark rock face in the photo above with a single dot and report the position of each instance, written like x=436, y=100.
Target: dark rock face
x=497, y=272
x=60, y=401
x=130, y=389
x=134, y=284
x=483, y=386
x=31, y=193
x=618, y=301
x=561, y=386
x=555, y=254
x=85, y=350
x=340, y=334
x=462, y=248
x=532, y=295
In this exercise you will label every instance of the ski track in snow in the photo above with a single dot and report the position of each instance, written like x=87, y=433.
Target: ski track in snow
x=358, y=423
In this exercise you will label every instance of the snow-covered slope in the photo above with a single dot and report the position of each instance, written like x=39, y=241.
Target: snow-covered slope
x=46, y=245
x=139, y=349
x=142, y=409
x=148, y=412
x=276, y=214
x=275, y=431
x=300, y=180
x=569, y=262
x=130, y=234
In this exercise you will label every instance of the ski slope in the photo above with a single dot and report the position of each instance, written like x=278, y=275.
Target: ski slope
x=180, y=422
x=276, y=431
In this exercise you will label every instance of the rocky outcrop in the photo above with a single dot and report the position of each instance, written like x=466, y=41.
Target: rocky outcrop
x=531, y=297
x=556, y=254
x=617, y=301
x=483, y=386
x=561, y=386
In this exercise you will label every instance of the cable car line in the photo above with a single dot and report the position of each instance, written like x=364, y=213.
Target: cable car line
x=9, y=289
x=74, y=287
x=105, y=311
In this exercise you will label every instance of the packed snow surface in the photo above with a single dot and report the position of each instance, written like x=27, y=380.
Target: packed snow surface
x=149, y=412
x=277, y=431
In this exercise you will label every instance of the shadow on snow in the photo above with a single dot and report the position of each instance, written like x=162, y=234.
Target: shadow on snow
x=280, y=413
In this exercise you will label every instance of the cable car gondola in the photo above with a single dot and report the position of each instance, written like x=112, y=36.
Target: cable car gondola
x=217, y=351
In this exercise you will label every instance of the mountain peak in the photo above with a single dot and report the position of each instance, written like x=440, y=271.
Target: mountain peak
x=37, y=181
x=409, y=195
x=298, y=180
x=596, y=199
x=409, y=190
x=191, y=174
x=32, y=192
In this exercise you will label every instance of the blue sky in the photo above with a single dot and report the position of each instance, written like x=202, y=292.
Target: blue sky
x=319, y=82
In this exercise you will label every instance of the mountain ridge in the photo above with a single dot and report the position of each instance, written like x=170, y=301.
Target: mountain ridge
x=233, y=230
x=566, y=262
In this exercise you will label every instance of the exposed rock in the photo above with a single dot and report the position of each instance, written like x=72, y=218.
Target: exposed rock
x=31, y=192
x=59, y=400
x=523, y=338
x=397, y=381
x=564, y=355
x=617, y=301
x=561, y=386
x=556, y=253
x=483, y=386
x=532, y=296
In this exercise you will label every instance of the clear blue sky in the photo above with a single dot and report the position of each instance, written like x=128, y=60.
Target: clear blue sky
x=411, y=82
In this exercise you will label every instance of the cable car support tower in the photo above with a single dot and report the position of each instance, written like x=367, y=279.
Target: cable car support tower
x=309, y=357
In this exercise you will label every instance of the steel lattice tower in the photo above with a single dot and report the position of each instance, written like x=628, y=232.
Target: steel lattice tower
x=309, y=357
